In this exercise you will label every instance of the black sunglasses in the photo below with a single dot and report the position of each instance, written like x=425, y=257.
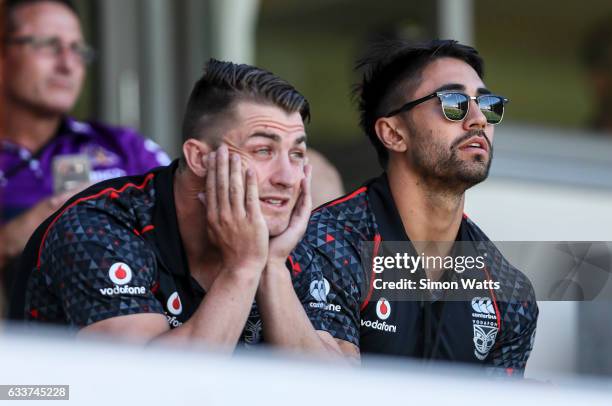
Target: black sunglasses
x=455, y=105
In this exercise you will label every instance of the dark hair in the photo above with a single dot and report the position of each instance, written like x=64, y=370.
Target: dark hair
x=10, y=25
x=222, y=85
x=391, y=69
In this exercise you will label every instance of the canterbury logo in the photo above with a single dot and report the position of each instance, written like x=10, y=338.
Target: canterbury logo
x=483, y=305
x=319, y=289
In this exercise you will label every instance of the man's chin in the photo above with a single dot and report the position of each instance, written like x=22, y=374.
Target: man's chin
x=56, y=108
x=59, y=101
x=473, y=176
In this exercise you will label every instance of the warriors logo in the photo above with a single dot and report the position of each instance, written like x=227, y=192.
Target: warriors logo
x=484, y=338
x=252, y=332
x=485, y=325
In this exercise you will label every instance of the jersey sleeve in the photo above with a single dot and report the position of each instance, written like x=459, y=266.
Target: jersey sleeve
x=511, y=352
x=309, y=285
x=95, y=268
x=338, y=292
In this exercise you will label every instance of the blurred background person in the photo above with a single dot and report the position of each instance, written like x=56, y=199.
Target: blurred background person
x=43, y=60
x=327, y=182
x=1, y=131
x=597, y=59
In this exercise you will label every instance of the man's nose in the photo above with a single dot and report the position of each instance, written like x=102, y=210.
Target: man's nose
x=68, y=59
x=286, y=174
x=475, y=118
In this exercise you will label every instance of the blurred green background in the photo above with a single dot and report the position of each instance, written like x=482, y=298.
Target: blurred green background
x=531, y=49
x=532, y=52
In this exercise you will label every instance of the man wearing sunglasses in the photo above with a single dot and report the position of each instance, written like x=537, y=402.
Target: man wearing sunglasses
x=44, y=58
x=431, y=120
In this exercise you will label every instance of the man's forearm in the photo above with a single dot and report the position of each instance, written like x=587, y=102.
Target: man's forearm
x=220, y=318
x=285, y=323
x=15, y=234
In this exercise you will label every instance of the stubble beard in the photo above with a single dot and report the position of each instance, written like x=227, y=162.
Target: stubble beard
x=440, y=166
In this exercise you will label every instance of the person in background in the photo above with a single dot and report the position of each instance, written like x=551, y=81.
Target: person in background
x=327, y=182
x=43, y=59
x=1, y=131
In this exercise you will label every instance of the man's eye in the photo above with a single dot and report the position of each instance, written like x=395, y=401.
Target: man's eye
x=298, y=155
x=263, y=151
x=50, y=42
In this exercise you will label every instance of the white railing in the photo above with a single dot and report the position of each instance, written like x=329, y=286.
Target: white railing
x=104, y=373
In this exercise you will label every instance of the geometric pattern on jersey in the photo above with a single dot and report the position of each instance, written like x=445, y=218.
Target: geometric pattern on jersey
x=78, y=252
x=334, y=250
x=332, y=245
x=130, y=221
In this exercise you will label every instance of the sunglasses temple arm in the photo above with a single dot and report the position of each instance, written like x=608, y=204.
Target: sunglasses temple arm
x=411, y=104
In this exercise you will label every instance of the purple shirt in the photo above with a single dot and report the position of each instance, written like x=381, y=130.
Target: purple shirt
x=113, y=152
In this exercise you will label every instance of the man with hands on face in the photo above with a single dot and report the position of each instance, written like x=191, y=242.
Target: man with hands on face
x=193, y=252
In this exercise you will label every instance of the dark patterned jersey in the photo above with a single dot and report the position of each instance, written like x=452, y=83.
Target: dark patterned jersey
x=495, y=328
x=115, y=249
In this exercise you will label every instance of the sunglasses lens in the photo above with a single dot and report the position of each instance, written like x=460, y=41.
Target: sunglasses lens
x=454, y=106
x=492, y=107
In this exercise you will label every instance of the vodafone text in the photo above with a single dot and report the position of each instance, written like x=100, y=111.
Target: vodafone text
x=173, y=321
x=123, y=290
x=378, y=325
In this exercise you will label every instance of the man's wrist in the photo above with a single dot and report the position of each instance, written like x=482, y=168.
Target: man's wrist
x=274, y=280
x=275, y=273
x=277, y=263
x=245, y=275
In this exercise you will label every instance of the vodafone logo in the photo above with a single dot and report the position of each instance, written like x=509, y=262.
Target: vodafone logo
x=383, y=311
x=383, y=308
x=174, y=304
x=120, y=273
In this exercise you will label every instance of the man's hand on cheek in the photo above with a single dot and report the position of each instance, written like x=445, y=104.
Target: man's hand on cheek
x=244, y=156
x=282, y=245
x=235, y=224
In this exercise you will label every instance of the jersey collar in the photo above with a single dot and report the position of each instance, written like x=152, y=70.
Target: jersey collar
x=388, y=220
x=67, y=125
x=166, y=233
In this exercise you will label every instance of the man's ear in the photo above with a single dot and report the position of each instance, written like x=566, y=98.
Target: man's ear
x=195, y=153
x=387, y=131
